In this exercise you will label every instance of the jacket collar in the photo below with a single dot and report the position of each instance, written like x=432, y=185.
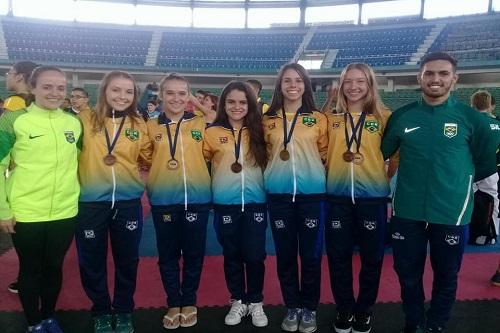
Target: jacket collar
x=163, y=119
x=302, y=111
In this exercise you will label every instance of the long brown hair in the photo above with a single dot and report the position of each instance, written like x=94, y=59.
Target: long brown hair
x=252, y=120
x=102, y=108
x=307, y=97
x=372, y=103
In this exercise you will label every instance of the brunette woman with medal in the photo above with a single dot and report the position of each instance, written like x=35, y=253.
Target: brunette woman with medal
x=115, y=140
x=357, y=189
x=180, y=196
x=296, y=140
x=235, y=146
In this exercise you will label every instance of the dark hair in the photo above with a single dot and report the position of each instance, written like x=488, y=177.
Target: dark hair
x=152, y=101
x=492, y=101
x=172, y=77
x=83, y=91
x=252, y=120
x=25, y=68
x=307, y=98
x=481, y=100
x=214, y=99
x=256, y=84
x=39, y=71
x=102, y=108
x=202, y=92
x=438, y=56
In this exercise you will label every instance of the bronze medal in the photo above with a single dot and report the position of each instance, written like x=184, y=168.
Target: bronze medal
x=348, y=156
x=173, y=164
x=109, y=159
x=236, y=167
x=284, y=155
x=358, y=158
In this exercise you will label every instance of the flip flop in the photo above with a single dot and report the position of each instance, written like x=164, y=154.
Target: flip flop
x=189, y=315
x=171, y=319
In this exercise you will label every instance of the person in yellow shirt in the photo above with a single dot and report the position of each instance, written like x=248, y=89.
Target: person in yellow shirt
x=17, y=81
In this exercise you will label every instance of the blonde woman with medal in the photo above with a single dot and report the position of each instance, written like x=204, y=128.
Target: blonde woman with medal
x=296, y=139
x=235, y=146
x=357, y=189
x=180, y=196
x=115, y=141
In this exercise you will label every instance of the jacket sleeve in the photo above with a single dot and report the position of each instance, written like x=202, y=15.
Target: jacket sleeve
x=7, y=140
x=323, y=137
x=484, y=144
x=146, y=152
x=207, y=147
x=390, y=140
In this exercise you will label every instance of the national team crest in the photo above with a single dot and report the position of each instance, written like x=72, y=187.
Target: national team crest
x=452, y=239
x=196, y=135
x=370, y=225
x=132, y=134
x=311, y=223
x=309, y=121
x=158, y=137
x=371, y=126
x=132, y=225
x=70, y=136
x=258, y=217
x=450, y=130
x=191, y=217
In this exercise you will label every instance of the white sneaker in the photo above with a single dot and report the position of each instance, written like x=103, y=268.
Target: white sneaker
x=259, y=318
x=238, y=310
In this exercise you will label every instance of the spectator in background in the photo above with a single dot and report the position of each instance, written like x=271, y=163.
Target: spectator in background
x=17, y=82
x=256, y=86
x=331, y=99
x=200, y=95
x=66, y=105
x=481, y=101
x=79, y=100
x=207, y=108
x=152, y=111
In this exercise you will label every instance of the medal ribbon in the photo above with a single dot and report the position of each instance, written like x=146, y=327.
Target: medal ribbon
x=111, y=145
x=173, y=147
x=237, y=144
x=357, y=130
x=287, y=136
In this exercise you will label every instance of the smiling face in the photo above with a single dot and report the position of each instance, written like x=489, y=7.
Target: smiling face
x=120, y=93
x=236, y=106
x=292, y=86
x=436, y=79
x=175, y=96
x=355, y=86
x=50, y=90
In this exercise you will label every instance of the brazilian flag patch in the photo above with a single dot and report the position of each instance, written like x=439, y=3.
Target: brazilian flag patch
x=371, y=126
x=196, y=135
x=309, y=121
x=132, y=134
x=70, y=136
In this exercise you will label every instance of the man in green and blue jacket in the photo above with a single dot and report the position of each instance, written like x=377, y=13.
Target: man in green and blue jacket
x=444, y=147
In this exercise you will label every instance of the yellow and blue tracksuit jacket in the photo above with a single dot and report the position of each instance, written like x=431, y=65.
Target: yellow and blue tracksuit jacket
x=121, y=181
x=42, y=145
x=190, y=182
x=304, y=172
x=229, y=188
x=346, y=179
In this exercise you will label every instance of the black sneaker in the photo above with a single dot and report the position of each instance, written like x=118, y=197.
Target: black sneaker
x=495, y=279
x=412, y=329
x=362, y=324
x=343, y=323
x=14, y=287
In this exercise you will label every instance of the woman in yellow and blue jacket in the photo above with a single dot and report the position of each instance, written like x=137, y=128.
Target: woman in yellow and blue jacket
x=296, y=139
x=115, y=141
x=357, y=189
x=180, y=196
x=234, y=144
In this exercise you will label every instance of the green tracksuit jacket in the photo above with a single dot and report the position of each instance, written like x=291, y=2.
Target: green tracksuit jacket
x=443, y=150
x=41, y=148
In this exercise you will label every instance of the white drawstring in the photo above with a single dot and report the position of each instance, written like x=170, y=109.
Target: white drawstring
x=183, y=169
x=113, y=167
